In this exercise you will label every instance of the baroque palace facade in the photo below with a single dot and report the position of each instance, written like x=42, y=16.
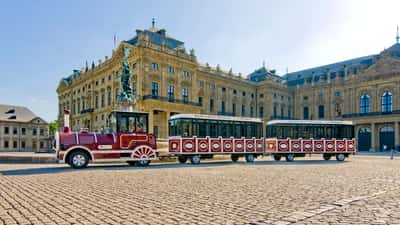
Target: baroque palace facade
x=166, y=80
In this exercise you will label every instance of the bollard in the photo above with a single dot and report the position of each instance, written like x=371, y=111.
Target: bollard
x=392, y=153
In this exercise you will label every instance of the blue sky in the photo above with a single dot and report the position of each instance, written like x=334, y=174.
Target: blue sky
x=43, y=41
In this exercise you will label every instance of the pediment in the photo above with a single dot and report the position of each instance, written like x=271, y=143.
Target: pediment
x=385, y=64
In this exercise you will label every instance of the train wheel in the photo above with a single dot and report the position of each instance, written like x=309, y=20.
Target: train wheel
x=143, y=162
x=340, y=157
x=250, y=158
x=234, y=158
x=327, y=156
x=195, y=159
x=78, y=160
x=277, y=157
x=289, y=157
x=182, y=159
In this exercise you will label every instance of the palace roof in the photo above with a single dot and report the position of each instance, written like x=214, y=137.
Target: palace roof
x=262, y=73
x=157, y=36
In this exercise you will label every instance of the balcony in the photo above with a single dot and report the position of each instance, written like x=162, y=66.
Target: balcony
x=354, y=115
x=90, y=110
x=281, y=118
x=169, y=99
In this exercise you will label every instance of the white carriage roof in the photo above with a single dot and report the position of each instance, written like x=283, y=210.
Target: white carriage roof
x=311, y=122
x=216, y=117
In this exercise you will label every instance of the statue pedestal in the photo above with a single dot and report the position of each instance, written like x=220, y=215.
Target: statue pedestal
x=125, y=106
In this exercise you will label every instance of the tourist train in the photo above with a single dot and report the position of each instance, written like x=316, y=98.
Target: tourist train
x=195, y=136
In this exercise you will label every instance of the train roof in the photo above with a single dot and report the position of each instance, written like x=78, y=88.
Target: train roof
x=310, y=122
x=215, y=117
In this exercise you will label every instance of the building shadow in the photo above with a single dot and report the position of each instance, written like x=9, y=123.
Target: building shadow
x=173, y=165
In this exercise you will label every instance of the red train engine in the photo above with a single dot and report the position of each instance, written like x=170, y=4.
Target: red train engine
x=125, y=140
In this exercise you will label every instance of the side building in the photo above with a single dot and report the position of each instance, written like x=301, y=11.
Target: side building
x=22, y=130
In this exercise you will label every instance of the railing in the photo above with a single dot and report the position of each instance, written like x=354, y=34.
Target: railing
x=281, y=118
x=170, y=99
x=352, y=115
x=90, y=110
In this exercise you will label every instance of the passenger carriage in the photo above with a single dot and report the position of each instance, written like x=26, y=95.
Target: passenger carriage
x=296, y=138
x=197, y=136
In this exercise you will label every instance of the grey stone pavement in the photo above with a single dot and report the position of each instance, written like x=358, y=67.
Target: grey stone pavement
x=361, y=190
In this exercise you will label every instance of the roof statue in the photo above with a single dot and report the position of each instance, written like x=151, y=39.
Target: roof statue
x=125, y=96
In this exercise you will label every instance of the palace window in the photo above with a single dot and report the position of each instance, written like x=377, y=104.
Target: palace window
x=109, y=78
x=234, y=91
x=116, y=93
x=321, y=112
x=252, y=96
x=200, y=100
x=23, y=131
x=103, y=100
x=223, y=106
x=34, y=131
x=154, y=66
x=387, y=102
x=41, y=144
x=15, y=144
x=211, y=105
x=243, y=110
x=34, y=144
x=170, y=92
x=41, y=132
x=261, y=113
x=365, y=104
x=22, y=144
x=201, y=84
x=6, y=130
x=289, y=113
x=185, y=95
x=251, y=111
x=274, y=95
x=234, y=109
x=154, y=89
x=274, y=111
x=109, y=98
x=223, y=89
x=212, y=86
x=337, y=94
x=305, y=97
x=305, y=113
x=15, y=130
x=243, y=93
x=5, y=144
x=134, y=89
x=134, y=65
x=170, y=69
x=185, y=73
x=282, y=113
x=320, y=96
x=96, y=102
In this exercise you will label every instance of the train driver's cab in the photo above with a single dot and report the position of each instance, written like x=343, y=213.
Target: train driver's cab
x=128, y=122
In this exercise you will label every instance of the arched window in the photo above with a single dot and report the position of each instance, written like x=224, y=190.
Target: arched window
x=364, y=104
x=387, y=102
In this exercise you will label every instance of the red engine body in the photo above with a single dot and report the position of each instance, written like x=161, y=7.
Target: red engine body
x=106, y=147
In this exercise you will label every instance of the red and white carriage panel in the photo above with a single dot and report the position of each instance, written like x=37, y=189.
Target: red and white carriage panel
x=194, y=145
x=273, y=145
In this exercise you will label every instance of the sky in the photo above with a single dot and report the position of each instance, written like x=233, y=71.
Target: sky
x=42, y=41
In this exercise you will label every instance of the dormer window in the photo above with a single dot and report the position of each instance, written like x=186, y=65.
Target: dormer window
x=14, y=117
x=10, y=111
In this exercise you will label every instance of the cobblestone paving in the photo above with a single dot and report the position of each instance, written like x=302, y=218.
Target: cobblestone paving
x=362, y=190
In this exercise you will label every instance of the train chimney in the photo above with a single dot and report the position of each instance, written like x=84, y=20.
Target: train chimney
x=67, y=129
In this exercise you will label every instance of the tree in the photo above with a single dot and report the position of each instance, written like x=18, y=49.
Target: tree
x=53, y=127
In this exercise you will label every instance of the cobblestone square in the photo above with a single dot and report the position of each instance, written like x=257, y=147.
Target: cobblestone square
x=362, y=190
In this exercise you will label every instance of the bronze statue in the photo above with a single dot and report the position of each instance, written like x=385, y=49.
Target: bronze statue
x=126, y=94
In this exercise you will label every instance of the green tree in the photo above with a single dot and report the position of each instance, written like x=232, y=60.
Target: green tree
x=53, y=127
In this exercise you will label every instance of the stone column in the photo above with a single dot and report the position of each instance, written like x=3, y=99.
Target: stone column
x=396, y=135
x=168, y=114
x=373, y=147
x=151, y=122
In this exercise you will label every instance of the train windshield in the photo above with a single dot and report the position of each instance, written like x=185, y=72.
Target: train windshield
x=214, y=126
x=129, y=122
x=309, y=129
